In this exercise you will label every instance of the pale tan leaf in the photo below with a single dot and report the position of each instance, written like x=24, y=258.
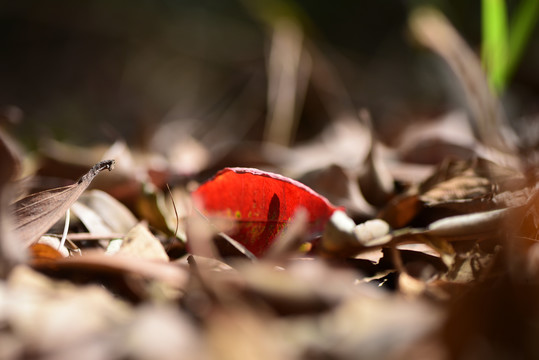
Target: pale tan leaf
x=141, y=243
x=470, y=225
x=11, y=251
x=91, y=220
x=36, y=213
x=338, y=237
x=289, y=69
x=40, y=309
x=114, y=214
x=373, y=233
x=161, y=332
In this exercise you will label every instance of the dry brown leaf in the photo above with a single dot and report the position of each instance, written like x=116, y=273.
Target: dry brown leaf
x=44, y=252
x=10, y=158
x=433, y=141
x=345, y=142
x=243, y=334
x=434, y=31
x=151, y=207
x=304, y=286
x=53, y=318
x=36, y=213
x=375, y=181
x=11, y=251
x=470, y=226
x=468, y=180
x=289, y=70
x=338, y=236
x=94, y=265
x=401, y=210
x=370, y=325
x=159, y=331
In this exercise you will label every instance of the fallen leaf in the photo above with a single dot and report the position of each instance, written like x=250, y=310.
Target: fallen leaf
x=40, y=310
x=116, y=215
x=36, y=213
x=433, y=141
x=160, y=331
x=128, y=276
x=260, y=203
x=431, y=29
x=142, y=244
x=44, y=252
x=11, y=251
x=91, y=220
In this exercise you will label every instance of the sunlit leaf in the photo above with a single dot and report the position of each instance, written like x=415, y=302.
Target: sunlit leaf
x=260, y=203
x=36, y=213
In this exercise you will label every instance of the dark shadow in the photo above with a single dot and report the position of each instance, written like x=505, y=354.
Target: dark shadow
x=272, y=222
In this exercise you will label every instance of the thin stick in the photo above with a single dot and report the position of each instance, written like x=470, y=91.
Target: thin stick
x=89, y=236
x=175, y=211
x=66, y=227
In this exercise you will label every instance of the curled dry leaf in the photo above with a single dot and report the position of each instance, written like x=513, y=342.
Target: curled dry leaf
x=338, y=235
x=376, y=182
x=114, y=214
x=36, y=213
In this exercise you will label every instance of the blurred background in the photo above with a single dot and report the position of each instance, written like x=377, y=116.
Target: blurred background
x=95, y=71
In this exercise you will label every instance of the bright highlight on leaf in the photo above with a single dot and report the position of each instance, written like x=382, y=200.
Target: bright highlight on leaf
x=261, y=204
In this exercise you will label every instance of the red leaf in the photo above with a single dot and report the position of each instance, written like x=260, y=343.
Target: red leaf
x=261, y=203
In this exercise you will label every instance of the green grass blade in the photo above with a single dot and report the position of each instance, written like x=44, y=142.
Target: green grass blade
x=521, y=27
x=495, y=42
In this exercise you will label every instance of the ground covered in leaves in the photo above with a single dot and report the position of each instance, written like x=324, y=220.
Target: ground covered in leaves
x=427, y=247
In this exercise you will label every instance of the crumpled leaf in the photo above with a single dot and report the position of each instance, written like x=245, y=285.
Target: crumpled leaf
x=36, y=213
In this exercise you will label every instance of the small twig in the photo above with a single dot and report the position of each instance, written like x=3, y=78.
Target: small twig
x=96, y=169
x=88, y=236
x=175, y=211
x=66, y=228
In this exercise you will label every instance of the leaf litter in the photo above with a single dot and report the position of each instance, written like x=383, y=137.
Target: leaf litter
x=426, y=248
